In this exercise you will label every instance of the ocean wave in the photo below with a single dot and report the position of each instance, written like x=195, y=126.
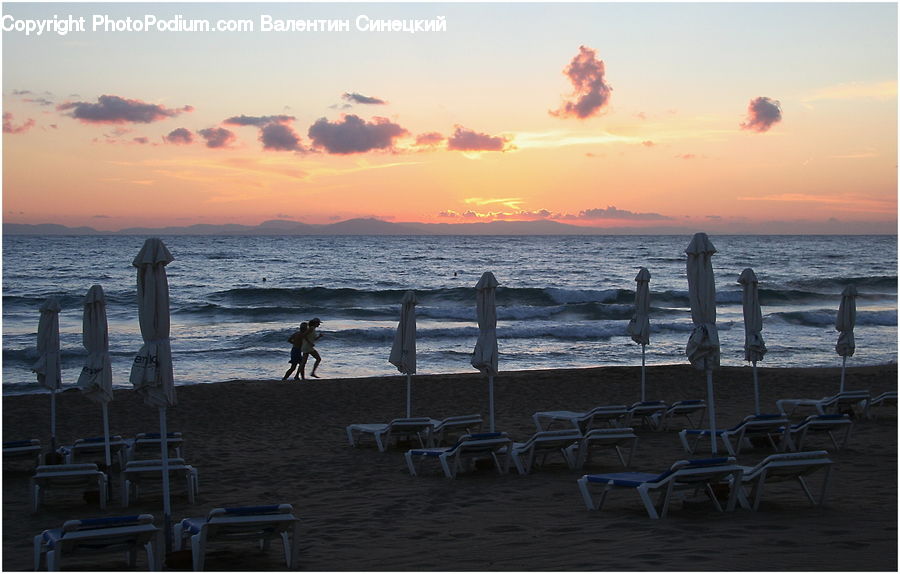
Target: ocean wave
x=827, y=318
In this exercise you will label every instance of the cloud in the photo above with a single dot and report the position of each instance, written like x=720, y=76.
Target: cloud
x=217, y=137
x=275, y=132
x=280, y=137
x=464, y=139
x=9, y=128
x=179, y=136
x=612, y=212
x=38, y=101
x=762, y=114
x=361, y=99
x=141, y=140
x=354, y=135
x=257, y=121
x=592, y=93
x=116, y=110
x=429, y=139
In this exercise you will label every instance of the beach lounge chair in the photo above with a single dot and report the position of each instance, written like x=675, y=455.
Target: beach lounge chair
x=22, y=449
x=138, y=472
x=850, y=402
x=448, y=430
x=544, y=443
x=148, y=444
x=67, y=477
x=828, y=424
x=886, y=399
x=260, y=523
x=768, y=426
x=465, y=452
x=646, y=413
x=614, y=438
x=382, y=433
x=584, y=421
x=104, y=535
x=683, y=409
x=93, y=449
x=782, y=468
x=681, y=476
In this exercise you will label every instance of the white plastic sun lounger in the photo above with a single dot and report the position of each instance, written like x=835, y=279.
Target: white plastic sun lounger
x=67, y=477
x=382, y=433
x=782, y=468
x=828, y=424
x=683, y=409
x=93, y=449
x=104, y=535
x=448, y=430
x=544, y=443
x=138, y=472
x=148, y=445
x=260, y=523
x=846, y=402
x=885, y=399
x=22, y=449
x=683, y=475
x=769, y=426
x=582, y=421
x=465, y=452
x=614, y=438
x=646, y=413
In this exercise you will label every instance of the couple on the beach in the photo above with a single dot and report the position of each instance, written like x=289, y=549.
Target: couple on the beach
x=304, y=345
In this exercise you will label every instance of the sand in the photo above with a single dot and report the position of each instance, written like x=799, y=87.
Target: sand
x=264, y=442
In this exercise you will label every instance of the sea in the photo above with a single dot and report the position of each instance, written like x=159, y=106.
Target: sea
x=563, y=301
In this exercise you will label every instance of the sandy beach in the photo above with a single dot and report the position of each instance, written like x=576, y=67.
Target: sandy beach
x=265, y=442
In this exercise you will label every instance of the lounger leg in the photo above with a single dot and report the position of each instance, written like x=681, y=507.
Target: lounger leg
x=38, y=547
x=448, y=472
x=198, y=549
x=517, y=459
x=177, y=534
x=35, y=497
x=409, y=464
x=758, y=490
x=634, y=443
x=806, y=490
x=295, y=547
x=684, y=442
x=585, y=493
x=103, y=483
x=379, y=441
x=52, y=561
x=648, y=503
x=350, y=438
x=825, y=483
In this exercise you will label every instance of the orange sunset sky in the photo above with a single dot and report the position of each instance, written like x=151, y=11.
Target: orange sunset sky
x=745, y=118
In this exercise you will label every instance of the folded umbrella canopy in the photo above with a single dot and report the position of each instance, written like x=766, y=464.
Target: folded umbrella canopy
x=151, y=373
x=703, y=345
x=846, y=321
x=484, y=358
x=754, y=346
x=403, y=352
x=639, y=326
x=95, y=380
x=47, y=367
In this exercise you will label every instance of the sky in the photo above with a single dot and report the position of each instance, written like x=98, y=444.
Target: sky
x=721, y=117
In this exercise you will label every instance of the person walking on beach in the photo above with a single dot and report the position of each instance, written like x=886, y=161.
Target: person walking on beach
x=309, y=348
x=296, y=341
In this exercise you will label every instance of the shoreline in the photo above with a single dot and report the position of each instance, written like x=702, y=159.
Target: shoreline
x=268, y=441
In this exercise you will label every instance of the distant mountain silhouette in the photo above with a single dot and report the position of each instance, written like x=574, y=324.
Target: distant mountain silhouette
x=361, y=226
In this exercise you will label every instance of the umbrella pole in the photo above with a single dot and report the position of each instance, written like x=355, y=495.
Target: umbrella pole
x=643, y=364
x=711, y=408
x=106, y=437
x=408, y=395
x=52, y=421
x=755, y=387
x=491, y=400
x=164, y=448
x=843, y=369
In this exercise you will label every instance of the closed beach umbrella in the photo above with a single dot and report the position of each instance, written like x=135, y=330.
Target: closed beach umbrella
x=846, y=320
x=403, y=352
x=47, y=367
x=151, y=373
x=703, y=344
x=754, y=346
x=639, y=326
x=95, y=380
x=485, y=356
